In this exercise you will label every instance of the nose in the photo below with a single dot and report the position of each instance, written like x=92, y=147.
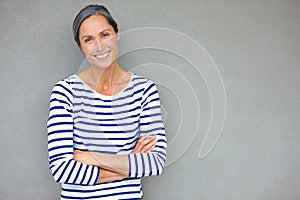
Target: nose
x=99, y=45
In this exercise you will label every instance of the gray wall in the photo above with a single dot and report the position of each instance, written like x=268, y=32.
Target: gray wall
x=255, y=46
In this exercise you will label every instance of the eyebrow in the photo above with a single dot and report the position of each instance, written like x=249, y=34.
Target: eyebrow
x=99, y=33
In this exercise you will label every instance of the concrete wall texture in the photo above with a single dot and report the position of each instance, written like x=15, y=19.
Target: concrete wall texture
x=236, y=60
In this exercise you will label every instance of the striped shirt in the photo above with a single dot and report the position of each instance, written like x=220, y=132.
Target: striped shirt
x=80, y=118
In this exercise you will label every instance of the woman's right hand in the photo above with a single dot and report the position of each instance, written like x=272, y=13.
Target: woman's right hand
x=145, y=144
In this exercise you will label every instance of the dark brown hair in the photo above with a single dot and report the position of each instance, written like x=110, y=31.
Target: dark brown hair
x=86, y=13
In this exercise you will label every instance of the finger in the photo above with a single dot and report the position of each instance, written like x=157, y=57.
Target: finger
x=151, y=149
x=142, y=142
x=144, y=138
x=148, y=148
x=147, y=140
x=150, y=145
x=138, y=146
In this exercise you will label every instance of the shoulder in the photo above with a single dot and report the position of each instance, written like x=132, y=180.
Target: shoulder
x=66, y=84
x=142, y=81
x=145, y=86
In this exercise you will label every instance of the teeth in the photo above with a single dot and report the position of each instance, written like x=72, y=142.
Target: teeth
x=102, y=55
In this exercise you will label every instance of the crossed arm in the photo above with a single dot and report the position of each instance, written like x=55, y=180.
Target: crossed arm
x=78, y=167
x=114, y=167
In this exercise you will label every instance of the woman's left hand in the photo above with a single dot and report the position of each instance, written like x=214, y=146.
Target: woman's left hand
x=145, y=144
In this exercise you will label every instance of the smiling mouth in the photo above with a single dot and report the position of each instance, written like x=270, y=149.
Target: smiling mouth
x=102, y=56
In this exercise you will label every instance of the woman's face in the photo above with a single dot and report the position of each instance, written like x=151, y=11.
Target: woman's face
x=98, y=41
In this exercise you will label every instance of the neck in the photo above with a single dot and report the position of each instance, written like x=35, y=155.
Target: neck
x=106, y=79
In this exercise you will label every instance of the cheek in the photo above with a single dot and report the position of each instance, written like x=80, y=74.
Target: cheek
x=116, y=51
x=115, y=47
x=86, y=50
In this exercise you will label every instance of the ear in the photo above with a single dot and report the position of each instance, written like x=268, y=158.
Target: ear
x=118, y=36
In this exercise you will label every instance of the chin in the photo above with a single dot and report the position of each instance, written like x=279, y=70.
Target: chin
x=101, y=64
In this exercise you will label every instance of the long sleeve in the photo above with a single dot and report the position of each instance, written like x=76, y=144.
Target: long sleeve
x=60, y=140
x=150, y=164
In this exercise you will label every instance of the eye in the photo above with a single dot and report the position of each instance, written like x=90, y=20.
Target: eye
x=105, y=35
x=87, y=40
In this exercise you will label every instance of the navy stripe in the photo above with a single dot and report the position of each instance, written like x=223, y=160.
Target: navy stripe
x=78, y=83
x=60, y=147
x=82, y=90
x=60, y=139
x=59, y=131
x=129, y=174
x=136, y=165
x=58, y=116
x=151, y=108
x=152, y=130
x=102, y=145
x=151, y=101
x=58, y=168
x=77, y=174
x=143, y=165
x=107, y=125
x=101, y=196
x=68, y=178
x=84, y=175
x=151, y=123
x=59, y=123
x=112, y=119
x=150, y=165
x=96, y=99
x=135, y=85
x=59, y=101
x=60, y=108
x=160, y=163
x=112, y=132
x=101, y=189
x=113, y=105
x=157, y=170
x=151, y=86
x=106, y=138
x=107, y=113
x=60, y=85
x=89, y=181
x=58, y=93
x=151, y=115
x=60, y=155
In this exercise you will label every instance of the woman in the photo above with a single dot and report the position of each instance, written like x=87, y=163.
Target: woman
x=105, y=129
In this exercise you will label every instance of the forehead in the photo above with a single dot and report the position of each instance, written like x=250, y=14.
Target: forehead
x=94, y=23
